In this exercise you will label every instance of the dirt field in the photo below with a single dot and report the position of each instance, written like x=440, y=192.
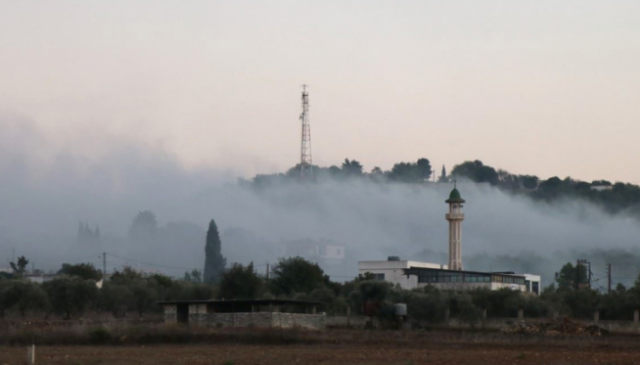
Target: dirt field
x=225, y=354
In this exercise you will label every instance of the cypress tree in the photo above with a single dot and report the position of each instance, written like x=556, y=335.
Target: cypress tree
x=214, y=263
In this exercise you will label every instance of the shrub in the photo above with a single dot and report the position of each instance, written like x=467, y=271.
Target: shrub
x=99, y=335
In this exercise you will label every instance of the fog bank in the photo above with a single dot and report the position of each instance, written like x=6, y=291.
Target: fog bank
x=46, y=190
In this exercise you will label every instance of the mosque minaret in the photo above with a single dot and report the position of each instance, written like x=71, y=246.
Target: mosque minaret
x=455, y=218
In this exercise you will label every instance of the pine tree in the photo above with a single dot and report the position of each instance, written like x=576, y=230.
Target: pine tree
x=214, y=263
x=443, y=177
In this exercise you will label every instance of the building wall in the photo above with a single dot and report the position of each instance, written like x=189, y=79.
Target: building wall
x=199, y=317
x=469, y=286
x=334, y=252
x=394, y=271
x=170, y=313
x=300, y=320
x=245, y=319
x=258, y=319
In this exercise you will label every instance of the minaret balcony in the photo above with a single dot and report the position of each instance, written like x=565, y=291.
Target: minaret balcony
x=454, y=216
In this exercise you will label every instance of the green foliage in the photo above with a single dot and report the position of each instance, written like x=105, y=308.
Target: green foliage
x=20, y=268
x=408, y=172
x=126, y=276
x=464, y=309
x=30, y=297
x=571, y=276
x=443, y=176
x=143, y=289
x=241, y=282
x=370, y=296
x=215, y=263
x=295, y=275
x=331, y=303
x=117, y=299
x=476, y=171
x=144, y=295
x=582, y=303
x=83, y=271
x=8, y=296
x=194, y=276
x=351, y=168
x=428, y=305
x=70, y=295
x=99, y=335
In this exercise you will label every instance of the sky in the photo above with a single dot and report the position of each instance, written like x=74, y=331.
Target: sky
x=546, y=87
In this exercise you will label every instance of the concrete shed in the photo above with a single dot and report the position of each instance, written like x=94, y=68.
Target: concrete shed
x=280, y=313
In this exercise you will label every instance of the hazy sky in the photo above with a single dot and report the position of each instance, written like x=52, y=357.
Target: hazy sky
x=544, y=87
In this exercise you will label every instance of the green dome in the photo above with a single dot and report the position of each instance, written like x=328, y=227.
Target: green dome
x=455, y=197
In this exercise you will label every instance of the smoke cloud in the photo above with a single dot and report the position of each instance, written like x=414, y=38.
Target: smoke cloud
x=47, y=189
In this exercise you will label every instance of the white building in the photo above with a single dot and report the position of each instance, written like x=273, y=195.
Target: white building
x=413, y=274
x=394, y=271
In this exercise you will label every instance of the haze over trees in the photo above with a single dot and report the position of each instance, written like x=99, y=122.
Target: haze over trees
x=144, y=227
x=613, y=197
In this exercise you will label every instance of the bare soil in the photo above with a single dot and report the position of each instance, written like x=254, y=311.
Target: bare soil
x=369, y=353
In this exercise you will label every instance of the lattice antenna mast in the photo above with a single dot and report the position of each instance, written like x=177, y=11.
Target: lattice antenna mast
x=306, y=171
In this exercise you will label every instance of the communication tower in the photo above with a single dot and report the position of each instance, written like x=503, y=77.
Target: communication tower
x=306, y=167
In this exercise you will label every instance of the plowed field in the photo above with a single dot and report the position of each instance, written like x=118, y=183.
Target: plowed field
x=342, y=354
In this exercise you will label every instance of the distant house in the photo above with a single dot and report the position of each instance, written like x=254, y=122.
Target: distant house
x=322, y=250
x=38, y=276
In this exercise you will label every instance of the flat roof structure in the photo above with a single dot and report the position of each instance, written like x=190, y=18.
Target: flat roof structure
x=282, y=313
x=412, y=274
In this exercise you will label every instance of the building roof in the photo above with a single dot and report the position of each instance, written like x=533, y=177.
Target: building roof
x=455, y=197
x=243, y=302
x=413, y=269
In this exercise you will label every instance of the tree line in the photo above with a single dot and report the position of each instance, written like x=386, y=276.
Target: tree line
x=81, y=288
x=614, y=197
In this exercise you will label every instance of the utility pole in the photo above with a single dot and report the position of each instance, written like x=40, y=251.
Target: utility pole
x=609, y=278
x=578, y=274
x=268, y=271
x=306, y=165
x=104, y=264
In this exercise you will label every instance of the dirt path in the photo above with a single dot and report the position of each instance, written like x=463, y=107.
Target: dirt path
x=458, y=354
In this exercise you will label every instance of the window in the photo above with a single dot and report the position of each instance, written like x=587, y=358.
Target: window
x=378, y=276
x=535, y=287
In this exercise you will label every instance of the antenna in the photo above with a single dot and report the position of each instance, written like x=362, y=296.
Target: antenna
x=306, y=169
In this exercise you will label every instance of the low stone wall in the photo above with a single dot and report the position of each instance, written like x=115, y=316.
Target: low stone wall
x=344, y=321
x=257, y=319
x=489, y=323
x=301, y=320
